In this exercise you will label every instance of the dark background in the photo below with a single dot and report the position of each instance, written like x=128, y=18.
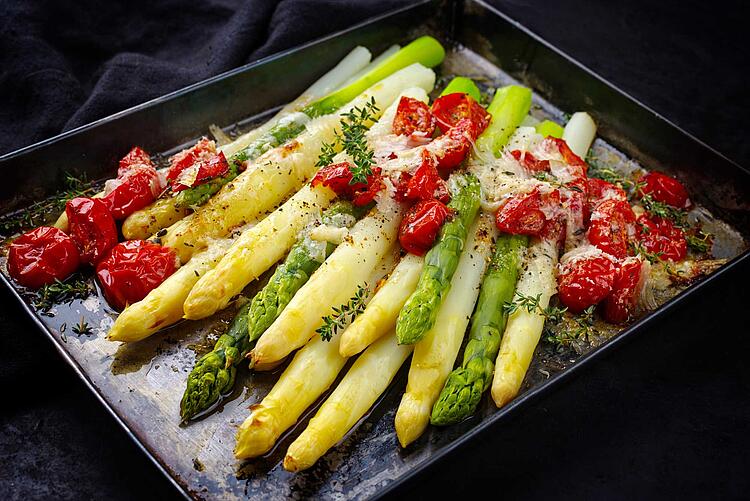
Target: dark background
x=666, y=416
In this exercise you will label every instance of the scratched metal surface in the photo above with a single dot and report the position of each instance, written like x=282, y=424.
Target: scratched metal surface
x=143, y=383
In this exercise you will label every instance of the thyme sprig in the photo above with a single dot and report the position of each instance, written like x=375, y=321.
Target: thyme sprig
x=57, y=292
x=38, y=213
x=531, y=305
x=344, y=314
x=664, y=211
x=82, y=327
x=584, y=329
x=354, y=125
x=699, y=241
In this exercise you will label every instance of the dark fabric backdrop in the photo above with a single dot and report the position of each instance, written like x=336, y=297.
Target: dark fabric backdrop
x=667, y=416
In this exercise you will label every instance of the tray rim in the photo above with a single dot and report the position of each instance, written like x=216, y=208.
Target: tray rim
x=624, y=336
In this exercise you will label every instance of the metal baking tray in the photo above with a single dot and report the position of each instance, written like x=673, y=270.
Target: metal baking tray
x=141, y=384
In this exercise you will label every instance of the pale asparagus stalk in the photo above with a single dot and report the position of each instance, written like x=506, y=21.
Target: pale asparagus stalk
x=277, y=173
x=368, y=378
x=381, y=314
x=579, y=133
x=144, y=223
x=347, y=268
x=162, y=213
x=353, y=64
x=524, y=327
x=163, y=305
x=277, y=233
x=312, y=370
x=247, y=259
x=436, y=353
x=255, y=251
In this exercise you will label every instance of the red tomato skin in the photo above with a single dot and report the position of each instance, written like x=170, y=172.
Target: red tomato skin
x=41, y=256
x=412, y=115
x=450, y=109
x=599, y=190
x=334, y=176
x=421, y=225
x=611, y=227
x=186, y=158
x=338, y=177
x=208, y=168
x=530, y=162
x=664, y=189
x=662, y=237
x=619, y=306
x=135, y=157
x=586, y=282
x=523, y=215
x=92, y=228
x=426, y=182
x=367, y=193
x=569, y=157
x=132, y=269
x=455, y=144
x=134, y=191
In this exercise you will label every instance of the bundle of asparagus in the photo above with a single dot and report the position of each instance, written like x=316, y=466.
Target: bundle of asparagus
x=343, y=287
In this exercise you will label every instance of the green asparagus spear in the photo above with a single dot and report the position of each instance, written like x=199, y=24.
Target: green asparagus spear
x=549, y=128
x=465, y=385
x=214, y=373
x=463, y=85
x=425, y=50
x=418, y=314
x=198, y=195
x=508, y=108
x=304, y=258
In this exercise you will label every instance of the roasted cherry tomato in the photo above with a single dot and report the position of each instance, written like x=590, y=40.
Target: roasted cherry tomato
x=365, y=195
x=599, y=190
x=132, y=269
x=585, y=281
x=666, y=189
x=620, y=305
x=92, y=228
x=570, y=158
x=451, y=149
x=135, y=157
x=413, y=116
x=523, y=214
x=421, y=225
x=426, y=183
x=661, y=237
x=530, y=162
x=41, y=256
x=338, y=178
x=132, y=191
x=201, y=172
x=612, y=226
x=201, y=151
x=450, y=109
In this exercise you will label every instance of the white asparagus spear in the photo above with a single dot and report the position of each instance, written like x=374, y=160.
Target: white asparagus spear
x=337, y=279
x=163, y=306
x=524, y=327
x=312, y=370
x=368, y=378
x=435, y=355
x=279, y=172
x=381, y=314
x=258, y=248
